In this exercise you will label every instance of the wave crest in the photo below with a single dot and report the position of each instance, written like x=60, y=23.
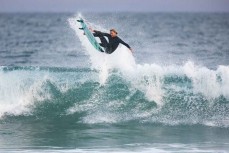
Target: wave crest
x=152, y=93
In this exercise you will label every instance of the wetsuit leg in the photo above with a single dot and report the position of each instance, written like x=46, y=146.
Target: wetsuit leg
x=103, y=40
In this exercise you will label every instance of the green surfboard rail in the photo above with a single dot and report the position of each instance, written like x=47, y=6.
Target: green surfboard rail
x=90, y=36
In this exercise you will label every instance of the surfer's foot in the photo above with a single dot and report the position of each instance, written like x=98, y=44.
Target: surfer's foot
x=91, y=29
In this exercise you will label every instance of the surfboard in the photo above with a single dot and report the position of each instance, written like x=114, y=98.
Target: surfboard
x=90, y=36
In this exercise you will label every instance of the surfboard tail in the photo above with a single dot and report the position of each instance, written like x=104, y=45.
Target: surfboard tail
x=89, y=35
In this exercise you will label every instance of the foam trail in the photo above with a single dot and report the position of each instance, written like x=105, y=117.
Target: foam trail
x=104, y=72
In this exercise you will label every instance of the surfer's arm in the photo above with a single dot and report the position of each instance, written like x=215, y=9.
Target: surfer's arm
x=122, y=42
x=128, y=46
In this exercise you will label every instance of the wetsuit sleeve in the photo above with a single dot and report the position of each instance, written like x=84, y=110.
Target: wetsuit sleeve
x=122, y=42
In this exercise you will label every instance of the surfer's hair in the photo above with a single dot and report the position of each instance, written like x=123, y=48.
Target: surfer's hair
x=114, y=31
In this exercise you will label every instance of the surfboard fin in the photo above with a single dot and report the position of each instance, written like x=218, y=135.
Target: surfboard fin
x=80, y=20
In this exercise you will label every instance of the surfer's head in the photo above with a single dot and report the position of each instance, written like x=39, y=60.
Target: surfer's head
x=113, y=33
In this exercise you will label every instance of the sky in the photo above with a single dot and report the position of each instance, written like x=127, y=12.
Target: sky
x=114, y=5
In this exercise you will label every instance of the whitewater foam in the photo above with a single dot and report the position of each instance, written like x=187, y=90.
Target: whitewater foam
x=151, y=93
x=18, y=91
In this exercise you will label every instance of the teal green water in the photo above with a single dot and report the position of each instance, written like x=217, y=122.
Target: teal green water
x=54, y=97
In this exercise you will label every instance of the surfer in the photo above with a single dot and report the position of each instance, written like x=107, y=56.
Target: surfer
x=114, y=40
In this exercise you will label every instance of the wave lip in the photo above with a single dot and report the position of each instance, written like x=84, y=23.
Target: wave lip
x=23, y=88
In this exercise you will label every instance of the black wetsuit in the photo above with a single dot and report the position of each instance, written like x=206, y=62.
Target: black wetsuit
x=113, y=41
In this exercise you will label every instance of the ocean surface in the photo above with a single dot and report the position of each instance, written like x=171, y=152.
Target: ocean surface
x=58, y=94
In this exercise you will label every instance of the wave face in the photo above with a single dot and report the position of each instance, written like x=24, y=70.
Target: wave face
x=151, y=94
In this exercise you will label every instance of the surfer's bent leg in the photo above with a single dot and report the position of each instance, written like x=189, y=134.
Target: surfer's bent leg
x=103, y=40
